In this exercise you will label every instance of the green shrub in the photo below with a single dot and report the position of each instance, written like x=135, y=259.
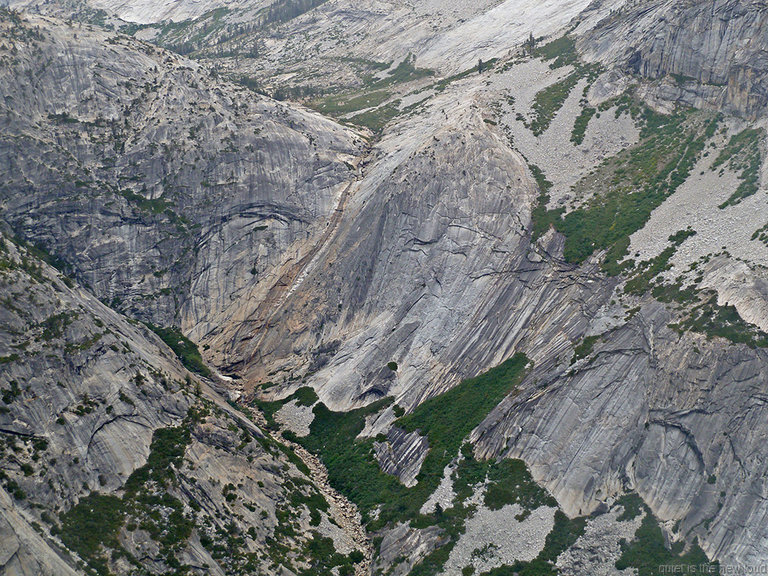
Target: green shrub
x=341, y=104
x=633, y=506
x=445, y=420
x=305, y=396
x=761, y=234
x=166, y=450
x=548, y=102
x=14, y=392
x=581, y=124
x=542, y=218
x=92, y=526
x=377, y=118
x=406, y=71
x=53, y=326
x=352, y=468
x=647, y=552
x=510, y=482
x=743, y=154
x=562, y=50
x=151, y=206
x=320, y=553
x=585, y=348
x=709, y=318
x=9, y=359
x=645, y=272
x=625, y=189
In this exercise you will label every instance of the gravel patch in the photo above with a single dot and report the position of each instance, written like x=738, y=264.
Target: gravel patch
x=562, y=162
x=597, y=550
x=341, y=540
x=295, y=418
x=495, y=537
x=443, y=494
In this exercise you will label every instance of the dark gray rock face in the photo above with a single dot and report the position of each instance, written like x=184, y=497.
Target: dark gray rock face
x=402, y=454
x=720, y=45
x=169, y=194
x=402, y=547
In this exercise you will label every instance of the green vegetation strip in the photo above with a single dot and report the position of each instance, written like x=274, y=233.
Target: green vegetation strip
x=184, y=348
x=542, y=218
x=550, y=100
x=743, y=154
x=708, y=317
x=646, y=271
x=346, y=103
x=375, y=120
x=761, y=234
x=648, y=554
x=581, y=123
x=446, y=420
x=561, y=50
x=625, y=189
x=376, y=109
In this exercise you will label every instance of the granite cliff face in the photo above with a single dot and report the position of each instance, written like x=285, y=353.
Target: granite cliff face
x=699, y=53
x=594, y=200
x=711, y=52
x=432, y=249
x=671, y=417
x=168, y=193
x=306, y=47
